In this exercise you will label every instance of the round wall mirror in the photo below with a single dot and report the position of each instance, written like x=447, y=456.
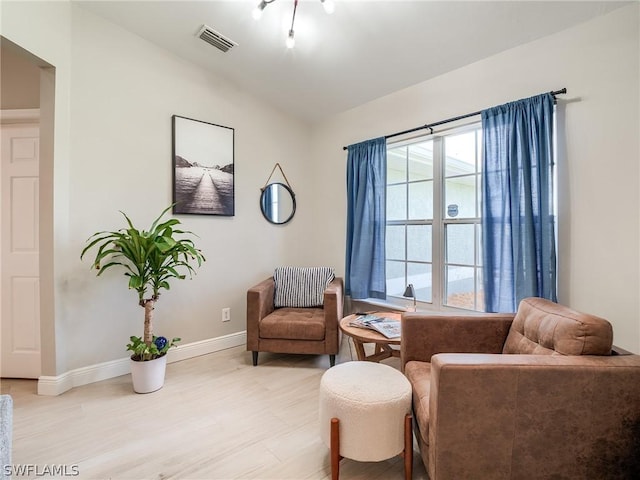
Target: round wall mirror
x=278, y=203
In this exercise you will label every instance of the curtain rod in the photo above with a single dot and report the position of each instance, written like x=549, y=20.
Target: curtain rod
x=453, y=119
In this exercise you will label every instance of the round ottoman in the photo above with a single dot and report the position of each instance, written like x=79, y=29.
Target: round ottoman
x=365, y=414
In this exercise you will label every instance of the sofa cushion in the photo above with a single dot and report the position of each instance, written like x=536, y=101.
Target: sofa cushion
x=301, y=286
x=542, y=327
x=419, y=375
x=293, y=324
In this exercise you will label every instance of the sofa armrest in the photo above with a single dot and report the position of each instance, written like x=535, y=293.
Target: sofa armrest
x=424, y=335
x=333, y=304
x=6, y=432
x=492, y=413
x=259, y=305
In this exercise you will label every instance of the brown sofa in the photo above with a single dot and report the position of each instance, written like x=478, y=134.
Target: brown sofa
x=535, y=395
x=293, y=330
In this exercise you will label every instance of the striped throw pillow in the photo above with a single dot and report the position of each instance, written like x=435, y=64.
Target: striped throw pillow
x=301, y=287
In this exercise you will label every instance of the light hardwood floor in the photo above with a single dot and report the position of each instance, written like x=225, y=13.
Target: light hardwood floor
x=217, y=417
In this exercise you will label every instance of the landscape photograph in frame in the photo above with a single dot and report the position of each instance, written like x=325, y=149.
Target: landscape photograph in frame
x=203, y=167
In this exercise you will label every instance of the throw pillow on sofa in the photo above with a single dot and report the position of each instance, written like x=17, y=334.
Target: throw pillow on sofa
x=301, y=287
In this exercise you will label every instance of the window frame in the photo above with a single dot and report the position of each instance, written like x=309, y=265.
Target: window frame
x=440, y=222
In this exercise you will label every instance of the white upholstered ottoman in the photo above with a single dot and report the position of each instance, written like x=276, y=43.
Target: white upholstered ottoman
x=365, y=414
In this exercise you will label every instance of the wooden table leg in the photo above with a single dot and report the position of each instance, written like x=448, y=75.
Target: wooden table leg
x=359, y=350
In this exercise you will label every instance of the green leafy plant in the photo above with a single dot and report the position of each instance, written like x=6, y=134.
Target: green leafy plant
x=150, y=260
x=142, y=352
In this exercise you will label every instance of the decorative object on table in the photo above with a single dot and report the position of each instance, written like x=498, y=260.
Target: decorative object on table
x=389, y=327
x=203, y=167
x=277, y=200
x=150, y=259
x=410, y=292
x=383, y=346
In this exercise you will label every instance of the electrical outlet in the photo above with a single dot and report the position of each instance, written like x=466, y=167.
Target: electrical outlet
x=226, y=314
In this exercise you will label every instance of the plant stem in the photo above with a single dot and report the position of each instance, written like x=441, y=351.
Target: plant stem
x=148, y=320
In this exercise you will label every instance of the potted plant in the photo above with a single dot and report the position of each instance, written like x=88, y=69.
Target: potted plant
x=150, y=259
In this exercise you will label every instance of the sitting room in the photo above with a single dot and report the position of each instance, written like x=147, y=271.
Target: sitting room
x=229, y=186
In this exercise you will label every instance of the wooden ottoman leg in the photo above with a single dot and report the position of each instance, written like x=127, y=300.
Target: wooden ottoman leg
x=335, y=449
x=408, y=448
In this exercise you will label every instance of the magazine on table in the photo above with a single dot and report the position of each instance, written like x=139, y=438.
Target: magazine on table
x=389, y=327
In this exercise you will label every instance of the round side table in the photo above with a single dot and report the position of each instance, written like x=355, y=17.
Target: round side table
x=360, y=336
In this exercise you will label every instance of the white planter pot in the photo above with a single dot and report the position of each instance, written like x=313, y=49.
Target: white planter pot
x=148, y=376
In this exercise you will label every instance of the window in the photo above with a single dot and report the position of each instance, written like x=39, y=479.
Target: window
x=433, y=219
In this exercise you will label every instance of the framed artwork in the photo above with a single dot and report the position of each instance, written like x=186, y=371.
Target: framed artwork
x=203, y=177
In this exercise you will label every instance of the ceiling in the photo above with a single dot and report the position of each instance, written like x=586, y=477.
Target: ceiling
x=364, y=50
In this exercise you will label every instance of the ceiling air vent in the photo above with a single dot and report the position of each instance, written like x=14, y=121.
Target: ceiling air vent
x=216, y=39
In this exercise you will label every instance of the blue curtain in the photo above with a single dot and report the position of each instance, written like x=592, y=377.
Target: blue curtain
x=518, y=231
x=366, y=219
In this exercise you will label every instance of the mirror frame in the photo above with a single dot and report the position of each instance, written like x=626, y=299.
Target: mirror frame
x=293, y=201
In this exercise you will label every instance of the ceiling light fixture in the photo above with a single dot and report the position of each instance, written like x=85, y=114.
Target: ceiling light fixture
x=257, y=12
x=291, y=41
x=329, y=7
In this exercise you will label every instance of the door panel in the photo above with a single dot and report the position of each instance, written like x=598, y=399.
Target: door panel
x=24, y=214
x=19, y=250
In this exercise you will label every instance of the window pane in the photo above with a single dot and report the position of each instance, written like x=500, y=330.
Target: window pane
x=397, y=202
x=480, y=293
x=479, y=194
x=420, y=275
x=460, y=154
x=460, y=243
x=421, y=161
x=421, y=200
x=395, y=278
x=419, y=243
x=460, y=287
x=395, y=242
x=397, y=165
x=479, y=244
x=460, y=197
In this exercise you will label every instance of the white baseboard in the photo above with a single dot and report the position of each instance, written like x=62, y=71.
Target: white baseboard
x=48, y=385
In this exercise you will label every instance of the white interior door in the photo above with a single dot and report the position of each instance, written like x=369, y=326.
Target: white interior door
x=19, y=252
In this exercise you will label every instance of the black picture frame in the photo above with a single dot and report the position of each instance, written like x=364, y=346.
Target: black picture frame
x=203, y=167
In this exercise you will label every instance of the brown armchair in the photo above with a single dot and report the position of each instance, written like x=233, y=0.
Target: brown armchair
x=290, y=329
x=535, y=395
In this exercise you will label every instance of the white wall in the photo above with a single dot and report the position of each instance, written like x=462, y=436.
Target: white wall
x=599, y=241
x=125, y=91
x=116, y=94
